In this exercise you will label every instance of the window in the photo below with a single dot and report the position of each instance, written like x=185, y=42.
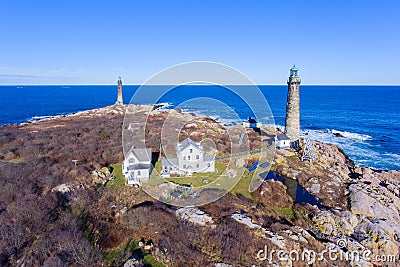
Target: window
x=197, y=165
x=184, y=157
x=184, y=166
x=138, y=172
x=131, y=160
x=190, y=150
x=188, y=157
x=197, y=156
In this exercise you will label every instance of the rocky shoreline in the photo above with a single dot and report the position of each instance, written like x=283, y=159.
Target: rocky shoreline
x=361, y=204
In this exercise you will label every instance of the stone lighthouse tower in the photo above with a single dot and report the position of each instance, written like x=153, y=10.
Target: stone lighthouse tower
x=119, y=96
x=292, y=122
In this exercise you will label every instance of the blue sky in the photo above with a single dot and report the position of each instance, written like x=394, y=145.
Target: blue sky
x=93, y=42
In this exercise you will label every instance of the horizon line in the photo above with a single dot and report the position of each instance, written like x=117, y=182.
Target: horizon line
x=199, y=84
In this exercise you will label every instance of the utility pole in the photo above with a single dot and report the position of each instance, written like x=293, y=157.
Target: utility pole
x=75, y=161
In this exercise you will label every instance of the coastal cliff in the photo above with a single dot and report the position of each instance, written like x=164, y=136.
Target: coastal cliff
x=54, y=213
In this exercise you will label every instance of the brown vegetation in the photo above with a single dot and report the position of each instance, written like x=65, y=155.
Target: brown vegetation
x=82, y=227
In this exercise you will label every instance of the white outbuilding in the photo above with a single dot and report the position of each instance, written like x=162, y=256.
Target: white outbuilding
x=282, y=141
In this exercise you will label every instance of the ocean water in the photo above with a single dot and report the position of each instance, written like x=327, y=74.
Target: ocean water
x=367, y=116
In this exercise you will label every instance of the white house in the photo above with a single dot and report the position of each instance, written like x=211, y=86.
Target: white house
x=251, y=123
x=137, y=166
x=189, y=159
x=282, y=141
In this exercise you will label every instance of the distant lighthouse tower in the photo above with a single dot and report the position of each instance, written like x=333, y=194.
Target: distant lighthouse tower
x=119, y=96
x=292, y=122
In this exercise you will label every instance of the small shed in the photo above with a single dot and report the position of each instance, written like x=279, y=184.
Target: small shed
x=282, y=141
x=251, y=123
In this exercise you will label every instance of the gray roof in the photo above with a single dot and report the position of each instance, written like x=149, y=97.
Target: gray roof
x=138, y=166
x=169, y=162
x=282, y=137
x=209, y=157
x=185, y=143
x=142, y=154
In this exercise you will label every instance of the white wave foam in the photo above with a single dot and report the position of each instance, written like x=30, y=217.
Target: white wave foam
x=185, y=110
x=165, y=105
x=352, y=136
x=335, y=136
x=356, y=147
x=396, y=156
x=36, y=118
x=393, y=159
x=224, y=121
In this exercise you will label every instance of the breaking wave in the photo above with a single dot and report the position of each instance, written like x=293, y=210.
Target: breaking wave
x=359, y=147
x=36, y=118
x=328, y=135
x=352, y=136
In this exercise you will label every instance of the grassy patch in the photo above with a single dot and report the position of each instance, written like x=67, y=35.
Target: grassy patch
x=149, y=260
x=155, y=174
x=157, y=167
x=287, y=213
x=242, y=187
x=109, y=256
x=198, y=179
x=104, y=136
x=119, y=179
x=192, y=181
x=17, y=160
x=132, y=248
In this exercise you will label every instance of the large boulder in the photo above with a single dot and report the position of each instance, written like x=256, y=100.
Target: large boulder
x=378, y=237
x=373, y=202
x=335, y=222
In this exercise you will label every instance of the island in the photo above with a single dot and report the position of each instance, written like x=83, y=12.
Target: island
x=65, y=200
